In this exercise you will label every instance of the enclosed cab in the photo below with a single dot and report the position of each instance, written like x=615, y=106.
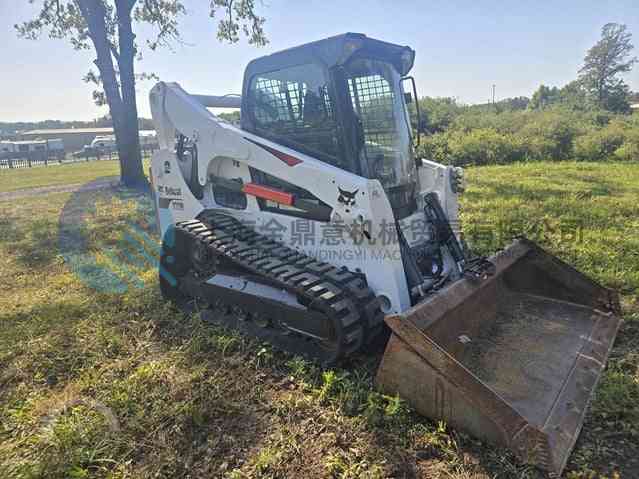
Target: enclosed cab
x=340, y=100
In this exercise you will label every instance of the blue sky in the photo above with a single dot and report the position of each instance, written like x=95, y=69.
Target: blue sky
x=463, y=47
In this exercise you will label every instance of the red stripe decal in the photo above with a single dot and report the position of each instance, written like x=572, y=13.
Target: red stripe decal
x=285, y=157
x=267, y=193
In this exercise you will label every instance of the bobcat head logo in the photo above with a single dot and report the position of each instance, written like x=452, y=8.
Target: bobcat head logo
x=347, y=198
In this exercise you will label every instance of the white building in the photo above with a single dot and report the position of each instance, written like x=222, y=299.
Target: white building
x=54, y=145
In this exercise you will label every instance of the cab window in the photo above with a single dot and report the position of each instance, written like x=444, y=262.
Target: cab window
x=293, y=107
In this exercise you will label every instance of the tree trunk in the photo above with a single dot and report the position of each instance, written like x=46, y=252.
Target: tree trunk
x=122, y=107
x=130, y=155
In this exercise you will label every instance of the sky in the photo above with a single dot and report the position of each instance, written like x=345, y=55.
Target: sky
x=463, y=48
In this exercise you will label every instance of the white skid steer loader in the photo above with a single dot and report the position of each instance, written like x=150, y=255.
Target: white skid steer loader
x=312, y=225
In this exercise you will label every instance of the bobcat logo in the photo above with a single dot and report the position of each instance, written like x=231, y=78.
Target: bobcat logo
x=347, y=198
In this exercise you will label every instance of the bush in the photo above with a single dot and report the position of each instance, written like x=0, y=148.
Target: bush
x=477, y=147
x=506, y=122
x=538, y=148
x=619, y=139
x=434, y=147
x=628, y=151
x=439, y=113
x=480, y=137
x=551, y=134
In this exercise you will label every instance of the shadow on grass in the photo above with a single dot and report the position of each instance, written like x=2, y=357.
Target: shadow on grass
x=182, y=413
x=31, y=241
x=40, y=248
x=9, y=230
x=42, y=342
x=222, y=413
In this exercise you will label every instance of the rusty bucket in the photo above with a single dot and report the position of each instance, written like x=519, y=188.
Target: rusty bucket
x=513, y=359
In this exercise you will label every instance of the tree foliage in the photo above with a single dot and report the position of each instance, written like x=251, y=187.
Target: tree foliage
x=106, y=26
x=544, y=97
x=572, y=95
x=61, y=19
x=603, y=64
x=438, y=113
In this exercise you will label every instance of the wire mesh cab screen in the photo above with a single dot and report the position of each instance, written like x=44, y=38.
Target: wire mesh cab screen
x=376, y=95
x=293, y=107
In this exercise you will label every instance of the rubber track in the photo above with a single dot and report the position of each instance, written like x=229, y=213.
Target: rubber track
x=343, y=296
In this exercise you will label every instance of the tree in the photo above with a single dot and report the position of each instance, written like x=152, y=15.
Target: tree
x=107, y=27
x=438, y=113
x=544, y=97
x=514, y=104
x=607, y=59
x=574, y=96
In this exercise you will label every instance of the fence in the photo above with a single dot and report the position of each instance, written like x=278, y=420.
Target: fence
x=46, y=158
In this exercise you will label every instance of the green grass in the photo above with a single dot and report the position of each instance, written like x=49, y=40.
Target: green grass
x=65, y=174
x=123, y=386
x=584, y=212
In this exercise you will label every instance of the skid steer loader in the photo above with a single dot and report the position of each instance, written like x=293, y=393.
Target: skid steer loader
x=310, y=225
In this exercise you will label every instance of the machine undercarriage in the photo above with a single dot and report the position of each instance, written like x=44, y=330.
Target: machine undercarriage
x=268, y=290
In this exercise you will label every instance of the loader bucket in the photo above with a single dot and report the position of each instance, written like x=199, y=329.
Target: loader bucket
x=513, y=359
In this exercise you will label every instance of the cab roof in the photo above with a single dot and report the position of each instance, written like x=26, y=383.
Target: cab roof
x=331, y=52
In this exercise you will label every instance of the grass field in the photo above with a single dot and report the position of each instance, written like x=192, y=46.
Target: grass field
x=65, y=174
x=120, y=385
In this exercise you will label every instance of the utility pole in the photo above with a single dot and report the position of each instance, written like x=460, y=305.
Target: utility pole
x=493, y=94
